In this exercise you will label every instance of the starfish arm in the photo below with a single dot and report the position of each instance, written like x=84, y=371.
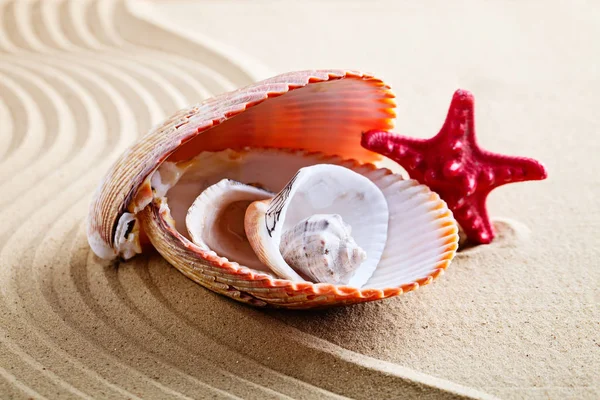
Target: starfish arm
x=474, y=220
x=460, y=120
x=506, y=169
x=398, y=148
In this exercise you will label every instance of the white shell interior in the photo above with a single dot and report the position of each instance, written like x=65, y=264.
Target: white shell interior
x=417, y=236
x=215, y=221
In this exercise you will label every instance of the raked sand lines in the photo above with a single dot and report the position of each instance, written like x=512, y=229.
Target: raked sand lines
x=79, y=81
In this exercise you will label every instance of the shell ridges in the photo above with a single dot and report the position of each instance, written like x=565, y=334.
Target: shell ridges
x=176, y=135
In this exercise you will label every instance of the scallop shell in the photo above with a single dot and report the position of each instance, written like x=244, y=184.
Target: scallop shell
x=321, y=189
x=316, y=110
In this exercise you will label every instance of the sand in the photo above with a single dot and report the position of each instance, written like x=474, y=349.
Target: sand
x=79, y=81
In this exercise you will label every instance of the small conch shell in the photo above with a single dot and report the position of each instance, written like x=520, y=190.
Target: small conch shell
x=321, y=247
x=321, y=189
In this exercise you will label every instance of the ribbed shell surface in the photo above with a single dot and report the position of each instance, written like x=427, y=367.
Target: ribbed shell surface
x=323, y=111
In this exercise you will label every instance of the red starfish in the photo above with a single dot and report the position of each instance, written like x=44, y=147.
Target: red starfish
x=453, y=165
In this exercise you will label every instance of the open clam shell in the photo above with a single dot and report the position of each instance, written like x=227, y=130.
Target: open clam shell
x=423, y=235
x=317, y=111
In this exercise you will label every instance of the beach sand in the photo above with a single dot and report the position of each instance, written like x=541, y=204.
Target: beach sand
x=80, y=81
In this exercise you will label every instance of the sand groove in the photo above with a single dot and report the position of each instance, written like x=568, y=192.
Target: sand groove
x=75, y=91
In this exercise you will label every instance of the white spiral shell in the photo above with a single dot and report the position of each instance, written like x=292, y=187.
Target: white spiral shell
x=322, y=249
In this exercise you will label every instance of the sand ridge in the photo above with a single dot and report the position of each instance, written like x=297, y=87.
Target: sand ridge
x=75, y=91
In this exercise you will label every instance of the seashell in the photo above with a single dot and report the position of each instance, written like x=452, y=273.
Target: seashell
x=321, y=189
x=144, y=198
x=215, y=221
x=321, y=247
x=318, y=110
